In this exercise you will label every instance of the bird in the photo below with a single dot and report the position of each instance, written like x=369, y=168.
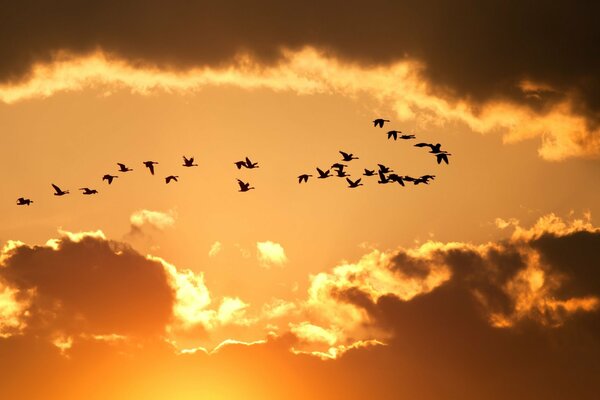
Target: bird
x=420, y=180
x=250, y=164
x=21, y=201
x=434, y=148
x=338, y=166
x=379, y=122
x=382, y=178
x=109, y=178
x=58, y=191
x=443, y=156
x=369, y=172
x=348, y=157
x=189, y=162
x=354, y=184
x=171, y=178
x=322, y=175
x=303, y=177
x=88, y=191
x=123, y=168
x=240, y=164
x=393, y=134
x=396, y=178
x=426, y=178
x=244, y=187
x=384, y=169
x=407, y=137
x=341, y=173
x=150, y=165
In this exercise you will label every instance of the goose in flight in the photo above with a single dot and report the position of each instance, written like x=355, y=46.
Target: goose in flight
x=348, y=157
x=189, y=162
x=393, y=134
x=21, y=201
x=379, y=122
x=58, y=191
x=369, y=172
x=250, y=164
x=123, y=168
x=150, y=165
x=341, y=173
x=382, y=178
x=303, y=178
x=354, y=184
x=426, y=178
x=442, y=156
x=322, y=175
x=384, y=169
x=171, y=178
x=396, y=178
x=240, y=164
x=88, y=191
x=338, y=166
x=109, y=178
x=435, y=148
x=405, y=137
x=244, y=187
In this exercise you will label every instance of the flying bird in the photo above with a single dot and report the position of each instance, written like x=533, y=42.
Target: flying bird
x=443, y=156
x=369, y=172
x=354, y=184
x=393, y=134
x=379, y=122
x=303, y=178
x=58, y=191
x=322, y=175
x=21, y=201
x=171, y=178
x=109, y=178
x=88, y=191
x=426, y=178
x=244, y=187
x=407, y=137
x=338, y=166
x=250, y=164
x=396, y=178
x=382, y=178
x=435, y=148
x=150, y=165
x=189, y=162
x=384, y=169
x=240, y=164
x=348, y=156
x=123, y=168
x=341, y=173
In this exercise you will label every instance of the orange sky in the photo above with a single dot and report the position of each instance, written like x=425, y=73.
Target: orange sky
x=482, y=284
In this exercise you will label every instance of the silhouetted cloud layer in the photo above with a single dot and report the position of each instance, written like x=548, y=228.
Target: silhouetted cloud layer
x=477, y=50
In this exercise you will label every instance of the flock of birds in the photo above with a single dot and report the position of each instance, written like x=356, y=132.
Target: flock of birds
x=385, y=174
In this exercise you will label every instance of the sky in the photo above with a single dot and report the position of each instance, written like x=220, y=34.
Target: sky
x=482, y=283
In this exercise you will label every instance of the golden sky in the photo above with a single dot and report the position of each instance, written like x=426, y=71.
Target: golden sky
x=482, y=284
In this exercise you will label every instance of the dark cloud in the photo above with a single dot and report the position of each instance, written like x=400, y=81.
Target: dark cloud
x=91, y=286
x=474, y=49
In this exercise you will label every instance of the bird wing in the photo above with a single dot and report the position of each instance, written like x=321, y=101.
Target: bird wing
x=350, y=182
x=122, y=166
x=241, y=183
x=151, y=168
x=56, y=188
x=423, y=145
x=248, y=162
x=320, y=171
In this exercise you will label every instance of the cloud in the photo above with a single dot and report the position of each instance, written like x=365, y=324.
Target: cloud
x=215, y=249
x=270, y=253
x=155, y=219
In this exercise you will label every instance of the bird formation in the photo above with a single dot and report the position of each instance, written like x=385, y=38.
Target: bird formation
x=385, y=174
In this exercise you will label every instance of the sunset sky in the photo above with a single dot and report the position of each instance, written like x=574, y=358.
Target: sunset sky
x=483, y=284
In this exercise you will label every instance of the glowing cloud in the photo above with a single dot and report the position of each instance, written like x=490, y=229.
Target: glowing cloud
x=270, y=253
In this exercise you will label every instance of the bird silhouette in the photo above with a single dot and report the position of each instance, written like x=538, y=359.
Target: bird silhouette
x=435, y=148
x=426, y=178
x=339, y=166
x=393, y=134
x=88, y=191
x=58, y=191
x=384, y=169
x=443, y=156
x=379, y=122
x=322, y=175
x=303, y=177
x=123, y=168
x=382, y=178
x=189, y=162
x=150, y=165
x=354, y=184
x=171, y=178
x=348, y=156
x=396, y=178
x=21, y=201
x=240, y=164
x=341, y=173
x=109, y=178
x=250, y=164
x=369, y=172
x=407, y=137
x=244, y=187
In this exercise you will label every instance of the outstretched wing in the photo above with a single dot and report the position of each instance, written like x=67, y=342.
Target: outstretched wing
x=241, y=183
x=56, y=188
x=424, y=145
x=151, y=168
x=345, y=155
